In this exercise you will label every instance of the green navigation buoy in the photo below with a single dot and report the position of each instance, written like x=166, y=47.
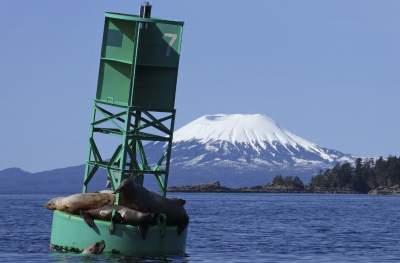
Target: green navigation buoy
x=135, y=101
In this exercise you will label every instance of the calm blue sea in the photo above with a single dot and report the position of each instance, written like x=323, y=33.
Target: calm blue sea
x=237, y=228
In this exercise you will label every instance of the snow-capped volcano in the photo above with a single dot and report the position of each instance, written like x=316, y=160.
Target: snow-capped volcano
x=248, y=146
x=234, y=128
x=259, y=131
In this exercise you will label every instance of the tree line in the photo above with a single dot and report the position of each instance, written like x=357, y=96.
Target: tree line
x=364, y=175
x=361, y=177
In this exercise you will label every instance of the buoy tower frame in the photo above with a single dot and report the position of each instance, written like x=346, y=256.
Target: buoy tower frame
x=135, y=96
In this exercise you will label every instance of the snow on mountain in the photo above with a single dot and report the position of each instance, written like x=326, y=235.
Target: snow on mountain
x=253, y=146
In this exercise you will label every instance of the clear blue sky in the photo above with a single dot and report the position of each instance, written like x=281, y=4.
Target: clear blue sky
x=326, y=70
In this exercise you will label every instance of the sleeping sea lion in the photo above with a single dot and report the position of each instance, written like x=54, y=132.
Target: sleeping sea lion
x=95, y=249
x=123, y=215
x=139, y=198
x=76, y=202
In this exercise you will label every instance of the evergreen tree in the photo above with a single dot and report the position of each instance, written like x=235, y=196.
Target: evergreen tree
x=278, y=180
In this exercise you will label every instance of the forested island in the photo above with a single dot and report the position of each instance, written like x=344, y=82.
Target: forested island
x=373, y=176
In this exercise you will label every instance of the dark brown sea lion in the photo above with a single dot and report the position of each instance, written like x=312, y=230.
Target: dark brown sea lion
x=95, y=249
x=76, y=202
x=123, y=215
x=139, y=198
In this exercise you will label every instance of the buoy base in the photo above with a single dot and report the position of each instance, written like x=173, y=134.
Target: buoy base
x=71, y=233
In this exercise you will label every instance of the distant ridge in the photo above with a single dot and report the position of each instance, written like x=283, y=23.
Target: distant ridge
x=63, y=180
x=13, y=171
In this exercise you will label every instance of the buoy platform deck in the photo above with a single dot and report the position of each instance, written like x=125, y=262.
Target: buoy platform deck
x=71, y=233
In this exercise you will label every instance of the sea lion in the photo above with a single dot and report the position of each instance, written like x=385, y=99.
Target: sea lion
x=123, y=215
x=95, y=249
x=139, y=198
x=76, y=202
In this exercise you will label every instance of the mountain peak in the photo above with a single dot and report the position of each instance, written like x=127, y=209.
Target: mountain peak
x=240, y=128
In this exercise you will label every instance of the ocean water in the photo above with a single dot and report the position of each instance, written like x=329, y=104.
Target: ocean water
x=237, y=228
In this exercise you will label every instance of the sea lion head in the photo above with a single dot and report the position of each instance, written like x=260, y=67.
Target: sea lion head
x=181, y=202
x=125, y=184
x=52, y=204
x=178, y=201
x=96, y=248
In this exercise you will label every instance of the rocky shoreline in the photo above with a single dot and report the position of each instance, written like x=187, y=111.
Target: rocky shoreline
x=393, y=190
x=216, y=187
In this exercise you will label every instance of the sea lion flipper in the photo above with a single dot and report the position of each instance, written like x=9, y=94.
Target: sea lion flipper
x=117, y=218
x=153, y=218
x=88, y=218
x=143, y=229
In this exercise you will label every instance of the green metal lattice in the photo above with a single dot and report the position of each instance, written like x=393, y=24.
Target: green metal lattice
x=135, y=97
